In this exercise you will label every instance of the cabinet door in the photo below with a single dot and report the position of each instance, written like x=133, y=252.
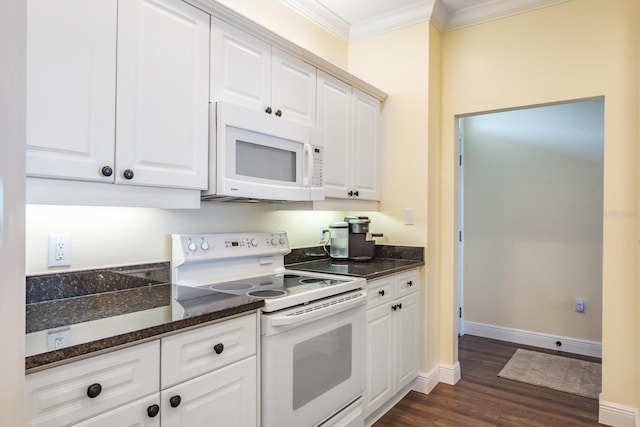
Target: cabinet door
x=225, y=397
x=366, y=146
x=334, y=120
x=135, y=414
x=240, y=67
x=380, y=342
x=162, y=94
x=293, y=89
x=406, y=345
x=71, y=77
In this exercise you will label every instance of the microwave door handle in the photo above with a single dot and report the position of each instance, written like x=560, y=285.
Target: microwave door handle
x=308, y=165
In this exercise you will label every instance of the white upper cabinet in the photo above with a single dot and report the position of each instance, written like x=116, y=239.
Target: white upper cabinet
x=162, y=94
x=156, y=132
x=334, y=119
x=293, y=88
x=366, y=146
x=240, y=67
x=350, y=121
x=71, y=88
x=248, y=71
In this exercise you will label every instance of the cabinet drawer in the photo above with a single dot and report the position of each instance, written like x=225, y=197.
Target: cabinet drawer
x=379, y=291
x=59, y=396
x=189, y=354
x=406, y=283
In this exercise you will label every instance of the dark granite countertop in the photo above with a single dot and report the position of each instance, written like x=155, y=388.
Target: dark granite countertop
x=388, y=260
x=377, y=267
x=101, y=309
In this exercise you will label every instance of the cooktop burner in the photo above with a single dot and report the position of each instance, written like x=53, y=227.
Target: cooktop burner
x=274, y=285
x=267, y=293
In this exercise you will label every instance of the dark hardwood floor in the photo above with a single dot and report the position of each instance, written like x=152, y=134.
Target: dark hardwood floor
x=481, y=398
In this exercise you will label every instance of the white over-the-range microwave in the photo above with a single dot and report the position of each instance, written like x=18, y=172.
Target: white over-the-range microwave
x=253, y=155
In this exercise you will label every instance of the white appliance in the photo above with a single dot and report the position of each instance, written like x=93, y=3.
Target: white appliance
x=312, y=325
x=253, y=155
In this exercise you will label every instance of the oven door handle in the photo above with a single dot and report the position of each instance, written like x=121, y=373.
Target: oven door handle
x=318, y=310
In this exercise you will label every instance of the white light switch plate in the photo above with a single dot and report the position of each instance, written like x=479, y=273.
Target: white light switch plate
x=409, y=216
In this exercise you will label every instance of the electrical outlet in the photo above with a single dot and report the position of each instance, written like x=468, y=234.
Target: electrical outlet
x=579, y=305
x=59, y=250
x=58, y=339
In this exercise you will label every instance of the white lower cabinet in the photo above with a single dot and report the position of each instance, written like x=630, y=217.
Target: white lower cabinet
x=141, y=413
x=224, y=397
x=214, y=382
x=392, y=337
x=209, y=375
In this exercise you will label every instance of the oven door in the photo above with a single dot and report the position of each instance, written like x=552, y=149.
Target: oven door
x=313, y=360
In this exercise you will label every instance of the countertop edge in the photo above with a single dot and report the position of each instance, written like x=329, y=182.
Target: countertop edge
x=390, y=271
x=69, y=354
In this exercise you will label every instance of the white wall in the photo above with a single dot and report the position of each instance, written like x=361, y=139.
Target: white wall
x=533, y=182
x=12, y=193
x=109, y=236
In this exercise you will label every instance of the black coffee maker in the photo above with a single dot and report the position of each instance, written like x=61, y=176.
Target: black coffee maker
x=361, y=246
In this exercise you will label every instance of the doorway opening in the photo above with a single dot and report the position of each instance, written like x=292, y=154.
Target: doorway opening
x=530, y=218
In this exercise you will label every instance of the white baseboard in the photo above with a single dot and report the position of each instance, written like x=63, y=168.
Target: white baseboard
x=612, y=414
x=427, y=381
x=449, y=374
x=536, y=339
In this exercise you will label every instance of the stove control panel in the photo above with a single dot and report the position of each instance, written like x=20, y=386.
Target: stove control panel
x=204, y=247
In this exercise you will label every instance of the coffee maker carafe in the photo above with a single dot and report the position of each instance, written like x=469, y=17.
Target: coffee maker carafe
x=350, y=239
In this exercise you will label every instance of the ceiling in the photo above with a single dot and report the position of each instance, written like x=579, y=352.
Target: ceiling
x=358, y=19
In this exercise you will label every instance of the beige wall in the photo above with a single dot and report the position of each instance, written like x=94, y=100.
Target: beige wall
x=533, y=218
x=398, y=63
x=12, y=158
x=570, y=51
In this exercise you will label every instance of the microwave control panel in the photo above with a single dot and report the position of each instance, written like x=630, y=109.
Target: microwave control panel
x=316, y=179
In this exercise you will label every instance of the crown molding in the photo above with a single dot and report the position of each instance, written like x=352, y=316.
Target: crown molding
x=398, y=19
x=492, y=10
x=318, y=13
x=427, y=10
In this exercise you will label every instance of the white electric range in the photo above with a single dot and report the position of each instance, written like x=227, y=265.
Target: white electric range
x=312, y=324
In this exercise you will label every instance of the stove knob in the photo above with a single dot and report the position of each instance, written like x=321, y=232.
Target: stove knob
x=204, y=246
x=192, y=246
x=274, y=241
x=282, y=240
x=254, y=242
